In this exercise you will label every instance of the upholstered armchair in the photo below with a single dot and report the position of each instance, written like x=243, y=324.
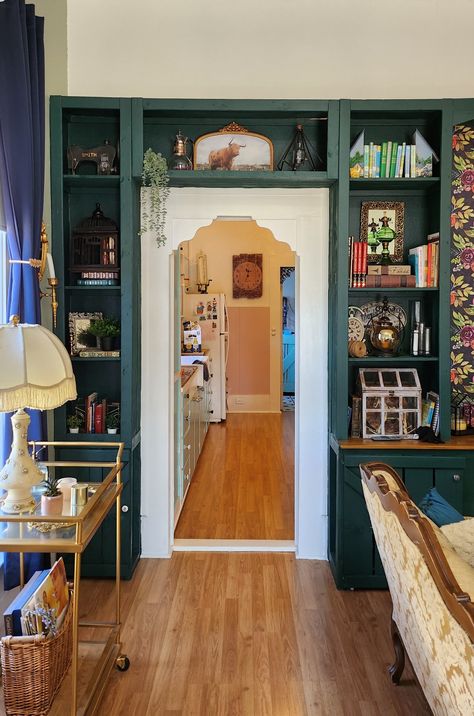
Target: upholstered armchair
x=432, y=590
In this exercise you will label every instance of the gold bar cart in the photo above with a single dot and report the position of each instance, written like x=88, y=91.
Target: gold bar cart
x=92, y=660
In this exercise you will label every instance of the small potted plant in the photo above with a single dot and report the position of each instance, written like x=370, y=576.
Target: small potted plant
x=106, y=331
x=112, y=422
x=74, y=422
x=52, y=497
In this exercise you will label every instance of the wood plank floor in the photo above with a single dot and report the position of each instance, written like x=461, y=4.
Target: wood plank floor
x=249, y=635
x=243, y=486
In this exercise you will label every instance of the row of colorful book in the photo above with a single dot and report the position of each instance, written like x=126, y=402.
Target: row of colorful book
x=430, y=411
x=391, y=159
x=424, y=261
x=422, y=270
x=40, y=607
x=95, y=413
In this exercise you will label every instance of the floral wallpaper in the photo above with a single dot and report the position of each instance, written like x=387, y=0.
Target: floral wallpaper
x=462, y=260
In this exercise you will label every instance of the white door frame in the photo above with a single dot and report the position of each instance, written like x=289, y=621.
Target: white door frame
x=298, y=217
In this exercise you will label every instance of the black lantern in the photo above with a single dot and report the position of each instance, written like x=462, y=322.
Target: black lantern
x=95, y=246
x=299, y=153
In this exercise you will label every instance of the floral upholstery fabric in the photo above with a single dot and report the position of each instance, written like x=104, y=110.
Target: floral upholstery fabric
x=439, y=649
x=461, y=536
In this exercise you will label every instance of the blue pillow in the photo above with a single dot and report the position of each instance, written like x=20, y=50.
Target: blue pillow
x=437, y=509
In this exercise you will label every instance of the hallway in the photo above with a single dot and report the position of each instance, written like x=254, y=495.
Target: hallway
x=243, y=487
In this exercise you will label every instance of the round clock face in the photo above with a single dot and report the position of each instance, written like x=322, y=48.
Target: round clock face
x=247, y=275
x=355, y=329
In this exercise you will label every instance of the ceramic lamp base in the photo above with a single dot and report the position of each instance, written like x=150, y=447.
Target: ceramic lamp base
x=20, y=472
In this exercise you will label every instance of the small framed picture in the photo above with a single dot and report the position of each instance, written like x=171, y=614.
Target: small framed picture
x=233, y=148
x=375, y=215
x=79, y=324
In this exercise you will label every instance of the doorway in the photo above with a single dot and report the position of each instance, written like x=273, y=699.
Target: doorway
x=234, y=479
x=299, y=218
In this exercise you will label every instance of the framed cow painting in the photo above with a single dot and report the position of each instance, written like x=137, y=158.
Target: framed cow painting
x=233, y=148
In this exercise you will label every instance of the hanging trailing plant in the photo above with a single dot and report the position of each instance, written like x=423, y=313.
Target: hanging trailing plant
x=153, y=212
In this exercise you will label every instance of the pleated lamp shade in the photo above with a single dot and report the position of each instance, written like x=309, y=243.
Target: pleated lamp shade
x=35, y=369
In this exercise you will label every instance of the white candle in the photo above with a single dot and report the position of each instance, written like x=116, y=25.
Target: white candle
x=49, y=260
x=202, y=268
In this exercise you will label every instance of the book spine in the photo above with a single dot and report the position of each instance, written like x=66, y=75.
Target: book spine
x=383, y=161
x=393, y=163
x=436, y=264
x=356, y=416
x=98, y=418
x=402, y=160
x=413, y=261
x=390, y=270
x=97, y=282
x=364, y=264
x=399, y=159
x=413, y=161
x=350, y=251
x=377, y=161
x=429, y=259
x=385, y=281
x=407, y=161
x=371, y=160
x=366, y=161
x=389, y=159
x=355, y=263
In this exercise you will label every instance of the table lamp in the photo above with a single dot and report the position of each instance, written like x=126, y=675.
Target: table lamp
x=36, y=373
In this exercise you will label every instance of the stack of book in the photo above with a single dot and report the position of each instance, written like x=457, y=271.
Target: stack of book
x=392, y=276
x=424, y=261
x=98, y=278
x=44, y=598
x=357, y=263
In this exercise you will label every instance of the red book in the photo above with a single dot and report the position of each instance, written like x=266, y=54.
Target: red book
x=429, y=277
x=364, y=265
x=356, y=264
x=98, y=419
x=390, y=281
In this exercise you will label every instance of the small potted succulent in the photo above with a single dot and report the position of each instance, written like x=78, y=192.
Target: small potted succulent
x=52, y=497
x=106, y=331
x=112, y=422
x=74, y=422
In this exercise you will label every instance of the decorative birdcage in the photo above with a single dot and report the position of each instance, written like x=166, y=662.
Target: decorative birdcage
x=391, y=401
x=95, y=244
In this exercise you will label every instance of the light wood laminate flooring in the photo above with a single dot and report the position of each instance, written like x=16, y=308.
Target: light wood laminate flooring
x=249, y=635
x=243, y=485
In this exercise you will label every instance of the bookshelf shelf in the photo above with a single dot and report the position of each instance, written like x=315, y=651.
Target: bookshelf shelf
x=387, y=360
x=112, y=289
x=383, y=291
x=82, y=359
x=420, y=183
x=91, y=180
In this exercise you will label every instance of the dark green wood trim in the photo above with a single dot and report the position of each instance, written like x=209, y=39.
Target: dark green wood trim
x=85, y=103
x=339, y=356
x=333, y=140
x=463, y=110
x=137, y=137
x=240, y=106
x=444, y=328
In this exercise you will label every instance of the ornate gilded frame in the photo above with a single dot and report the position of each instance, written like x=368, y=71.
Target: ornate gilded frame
x=235, y=131
x=396, y=247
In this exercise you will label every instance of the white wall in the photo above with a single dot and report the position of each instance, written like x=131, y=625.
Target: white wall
x=270, y=48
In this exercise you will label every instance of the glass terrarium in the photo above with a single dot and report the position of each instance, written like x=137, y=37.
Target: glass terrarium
x=391, y=401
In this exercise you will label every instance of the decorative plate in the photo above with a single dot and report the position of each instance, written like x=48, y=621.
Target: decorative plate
x=355, y=330
x=394, y=313
x=355, y=312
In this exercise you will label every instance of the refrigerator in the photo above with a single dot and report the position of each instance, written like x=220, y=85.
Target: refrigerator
x=209, y=310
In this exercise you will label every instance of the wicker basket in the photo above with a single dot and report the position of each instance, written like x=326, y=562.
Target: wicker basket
x=33, y=668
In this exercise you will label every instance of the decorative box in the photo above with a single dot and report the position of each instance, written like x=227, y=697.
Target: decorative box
x=391, y=401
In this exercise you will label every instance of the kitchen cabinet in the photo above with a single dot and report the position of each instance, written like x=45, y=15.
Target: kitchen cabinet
x=193, y=426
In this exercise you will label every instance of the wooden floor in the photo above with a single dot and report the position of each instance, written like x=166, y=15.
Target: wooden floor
x=249, y=634
x=243, y=486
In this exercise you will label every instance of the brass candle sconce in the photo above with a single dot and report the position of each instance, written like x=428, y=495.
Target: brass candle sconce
x=40, y=265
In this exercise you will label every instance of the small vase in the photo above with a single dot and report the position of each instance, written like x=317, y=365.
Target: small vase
x=112, y=431
x=74, y=430
x=51, y=506
x=106, y=343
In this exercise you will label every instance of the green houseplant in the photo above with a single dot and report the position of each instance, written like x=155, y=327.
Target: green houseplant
x=106, y=330
x=112, y=422
x=153, y=209
x=74, y=422
x=52, y=497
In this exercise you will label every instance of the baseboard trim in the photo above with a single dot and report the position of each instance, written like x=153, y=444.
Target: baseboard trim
x=233, y=545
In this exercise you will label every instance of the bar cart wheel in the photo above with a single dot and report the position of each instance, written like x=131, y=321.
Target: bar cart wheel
x=122, y=662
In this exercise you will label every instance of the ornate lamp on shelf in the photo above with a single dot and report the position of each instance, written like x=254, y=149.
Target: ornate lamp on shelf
x=36, y=373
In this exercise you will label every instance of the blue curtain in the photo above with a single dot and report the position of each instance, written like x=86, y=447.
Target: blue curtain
x=22, y=178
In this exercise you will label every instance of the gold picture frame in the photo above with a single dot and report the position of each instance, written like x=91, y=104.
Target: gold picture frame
x=371, y=214
x=221, y=150
x=79, y=323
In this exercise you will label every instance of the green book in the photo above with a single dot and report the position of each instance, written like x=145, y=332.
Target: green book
x=393, y=163
x=383, y=164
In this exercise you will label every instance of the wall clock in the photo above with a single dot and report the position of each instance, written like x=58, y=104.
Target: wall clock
x=247, y=276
